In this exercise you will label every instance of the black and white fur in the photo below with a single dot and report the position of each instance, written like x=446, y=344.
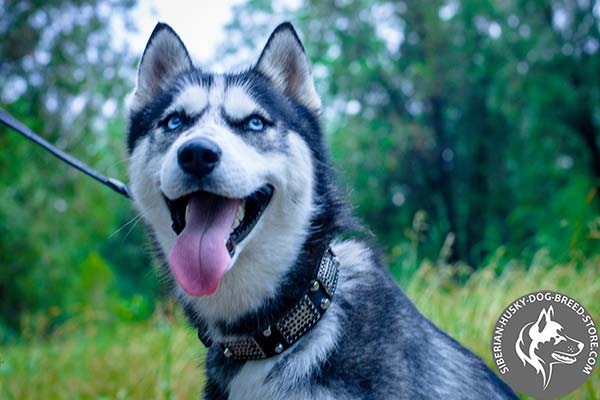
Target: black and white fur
x=372, y=343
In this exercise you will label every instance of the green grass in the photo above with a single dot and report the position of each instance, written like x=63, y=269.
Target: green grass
x=468, y=312
x=159, y=359
x=162, y=358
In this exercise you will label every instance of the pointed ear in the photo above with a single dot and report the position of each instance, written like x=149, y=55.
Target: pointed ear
x=543, y=319
x=164, y=58
x=285, y=63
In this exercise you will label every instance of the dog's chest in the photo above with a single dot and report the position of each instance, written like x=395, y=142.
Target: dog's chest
x=290, y=376
x=262, y=382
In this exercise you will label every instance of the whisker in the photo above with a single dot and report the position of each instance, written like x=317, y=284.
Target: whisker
x=133, y=220
x=137, y=220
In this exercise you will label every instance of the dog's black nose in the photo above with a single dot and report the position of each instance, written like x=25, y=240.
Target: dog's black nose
x=199, y=156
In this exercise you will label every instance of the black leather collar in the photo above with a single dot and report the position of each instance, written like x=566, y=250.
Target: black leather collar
x=280, y=335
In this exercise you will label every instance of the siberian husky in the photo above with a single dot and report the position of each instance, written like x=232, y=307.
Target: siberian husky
x=233, y=179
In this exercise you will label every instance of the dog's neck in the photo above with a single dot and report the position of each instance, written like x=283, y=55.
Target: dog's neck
x=277, y=335
x=291, y=288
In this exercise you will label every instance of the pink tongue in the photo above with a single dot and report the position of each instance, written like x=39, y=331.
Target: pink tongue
x=200, y=258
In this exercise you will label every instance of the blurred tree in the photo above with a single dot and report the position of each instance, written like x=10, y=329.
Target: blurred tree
x=483, y=114
x=66, y=76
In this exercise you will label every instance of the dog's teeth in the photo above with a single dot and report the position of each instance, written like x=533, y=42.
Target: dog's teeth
x=240, y=212
x=239, y=217
x=187, y=211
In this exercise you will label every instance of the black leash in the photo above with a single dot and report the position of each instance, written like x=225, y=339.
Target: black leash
x=17, y=126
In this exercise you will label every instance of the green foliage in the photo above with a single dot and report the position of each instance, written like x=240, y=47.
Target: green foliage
x=482, y=114
x=61, y=248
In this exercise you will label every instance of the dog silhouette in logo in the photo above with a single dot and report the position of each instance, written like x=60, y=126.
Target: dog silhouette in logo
x=544, y=343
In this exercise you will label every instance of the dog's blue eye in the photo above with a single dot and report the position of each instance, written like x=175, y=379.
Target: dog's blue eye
x=174, y=122
x=256, y=124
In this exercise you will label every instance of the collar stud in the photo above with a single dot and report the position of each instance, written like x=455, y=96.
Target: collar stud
x=315, y=286
x=267, y=332
x=281, y=334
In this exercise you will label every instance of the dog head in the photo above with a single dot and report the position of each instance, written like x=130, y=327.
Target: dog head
x=544, y=343
x=222, y=167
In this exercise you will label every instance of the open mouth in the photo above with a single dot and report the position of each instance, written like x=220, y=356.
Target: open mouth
x=209, y=227
x=247, y=215
x=563, y=358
